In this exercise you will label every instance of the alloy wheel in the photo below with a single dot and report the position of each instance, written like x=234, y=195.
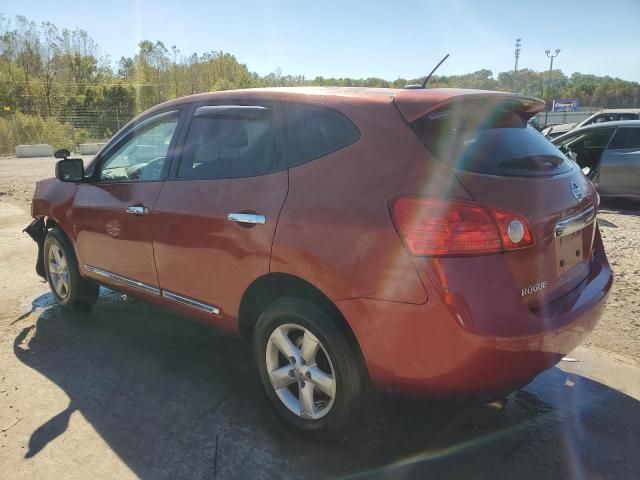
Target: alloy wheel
x=300, y=371
x=59, y=271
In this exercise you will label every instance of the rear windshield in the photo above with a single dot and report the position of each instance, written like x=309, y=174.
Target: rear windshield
x=488, y=136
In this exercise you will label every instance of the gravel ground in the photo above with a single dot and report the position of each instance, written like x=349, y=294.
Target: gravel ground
x=619, y=329
x=618, y=332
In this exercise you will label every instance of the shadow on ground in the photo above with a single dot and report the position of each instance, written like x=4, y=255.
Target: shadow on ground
x=174, y=399
x=623, y=206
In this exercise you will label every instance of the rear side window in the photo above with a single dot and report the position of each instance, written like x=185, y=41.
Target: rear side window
x=313, y=132
x=491, y=137
x=625, y=138
x=230, y=145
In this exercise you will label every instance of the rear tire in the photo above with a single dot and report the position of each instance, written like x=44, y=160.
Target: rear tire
x=61, y=266
x=311, y=372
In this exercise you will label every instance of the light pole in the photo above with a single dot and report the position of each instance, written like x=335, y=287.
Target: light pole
x=546, y=111
x=515, y=67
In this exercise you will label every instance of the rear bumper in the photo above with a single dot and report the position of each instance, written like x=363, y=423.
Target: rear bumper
x=429, y=349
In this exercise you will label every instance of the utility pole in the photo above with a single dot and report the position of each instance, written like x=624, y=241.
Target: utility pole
x=517, y=54
x=515, y=68
x=549, y=55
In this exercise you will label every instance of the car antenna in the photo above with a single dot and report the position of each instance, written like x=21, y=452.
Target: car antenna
x=428, y=77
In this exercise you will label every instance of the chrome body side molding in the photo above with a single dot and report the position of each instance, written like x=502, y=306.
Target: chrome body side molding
x=124, y=280
x=205, y=307
x=576, y=223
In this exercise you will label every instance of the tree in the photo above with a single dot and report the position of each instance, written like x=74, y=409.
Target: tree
x=51, y=61
x=65, y=76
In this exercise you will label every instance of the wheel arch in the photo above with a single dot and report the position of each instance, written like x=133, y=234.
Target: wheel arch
x=50, y=223
x=266, y=289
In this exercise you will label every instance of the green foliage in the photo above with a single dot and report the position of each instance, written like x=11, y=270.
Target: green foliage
x=20, y=129
x=66, y=84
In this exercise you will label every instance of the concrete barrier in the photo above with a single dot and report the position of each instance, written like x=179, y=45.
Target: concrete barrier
x=90, y=148
x=39, y=150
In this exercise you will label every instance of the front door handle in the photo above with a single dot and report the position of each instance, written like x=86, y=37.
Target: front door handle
x=137, y=210
x=250, y=218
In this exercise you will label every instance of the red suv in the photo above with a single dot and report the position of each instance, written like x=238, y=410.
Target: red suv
x=423, y=241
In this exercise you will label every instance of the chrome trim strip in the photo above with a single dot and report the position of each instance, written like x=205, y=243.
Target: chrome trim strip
x=247, y=218
x=232, y=111
x=576, y=223
x=190, y=302
x=124, y=280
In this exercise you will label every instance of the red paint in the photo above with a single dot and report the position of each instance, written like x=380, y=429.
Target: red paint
x=108, y=237
x=200, y=254
x=435, y=325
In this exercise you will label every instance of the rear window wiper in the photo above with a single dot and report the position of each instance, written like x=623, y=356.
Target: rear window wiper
x=532, y=162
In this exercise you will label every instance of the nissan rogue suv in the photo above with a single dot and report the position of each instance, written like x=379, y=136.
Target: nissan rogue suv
x=424, y=242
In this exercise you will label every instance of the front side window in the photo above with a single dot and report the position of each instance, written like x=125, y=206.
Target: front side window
x=230, y=143
x=142, y=157
x=625, y=138
x=593, y=139
x=586, y=148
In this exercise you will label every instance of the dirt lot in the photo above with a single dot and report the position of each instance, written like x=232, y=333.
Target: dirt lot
x=131, y=391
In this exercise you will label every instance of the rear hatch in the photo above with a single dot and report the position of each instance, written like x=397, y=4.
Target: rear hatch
x=506, y=164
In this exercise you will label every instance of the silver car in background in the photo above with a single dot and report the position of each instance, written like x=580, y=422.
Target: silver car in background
x=609, y=154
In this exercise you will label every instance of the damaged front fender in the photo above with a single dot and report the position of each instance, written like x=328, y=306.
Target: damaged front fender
x=37, y=230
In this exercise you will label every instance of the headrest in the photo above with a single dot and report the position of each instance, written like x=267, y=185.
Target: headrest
x=223, y=133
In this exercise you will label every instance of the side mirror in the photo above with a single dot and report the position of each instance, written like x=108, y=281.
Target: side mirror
x=62, y=153
x=70, y=170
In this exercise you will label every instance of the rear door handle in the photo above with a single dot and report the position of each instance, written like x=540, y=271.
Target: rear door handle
x=137, y=210
x=251, y=218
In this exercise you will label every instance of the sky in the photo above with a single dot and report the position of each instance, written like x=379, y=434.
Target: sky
x=365, y=39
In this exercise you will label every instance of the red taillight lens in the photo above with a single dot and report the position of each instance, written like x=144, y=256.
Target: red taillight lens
x=506, y=222
x=454, y=227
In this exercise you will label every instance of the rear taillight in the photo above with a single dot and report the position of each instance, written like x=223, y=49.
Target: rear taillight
x=457, y=227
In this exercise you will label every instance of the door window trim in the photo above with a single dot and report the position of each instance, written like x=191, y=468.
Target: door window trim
x=145, y=123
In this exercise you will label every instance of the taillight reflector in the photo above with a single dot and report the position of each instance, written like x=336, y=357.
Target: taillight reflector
x=454, y=227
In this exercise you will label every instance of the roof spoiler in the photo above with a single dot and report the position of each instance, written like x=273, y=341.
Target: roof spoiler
x=414, y=104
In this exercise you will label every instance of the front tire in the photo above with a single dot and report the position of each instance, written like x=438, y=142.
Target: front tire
x=311, y=372
x=61, y=267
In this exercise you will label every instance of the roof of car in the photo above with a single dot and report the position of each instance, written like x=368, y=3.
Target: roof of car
x=365, y=93
x=411, y=102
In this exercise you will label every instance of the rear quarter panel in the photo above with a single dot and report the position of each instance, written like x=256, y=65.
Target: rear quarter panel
x=335, y=229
